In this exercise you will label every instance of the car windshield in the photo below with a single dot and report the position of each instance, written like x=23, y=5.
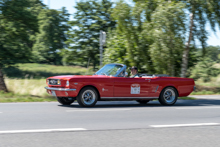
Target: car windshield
x=109, y=69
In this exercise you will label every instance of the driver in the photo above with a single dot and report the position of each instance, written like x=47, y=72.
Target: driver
x=134, y=72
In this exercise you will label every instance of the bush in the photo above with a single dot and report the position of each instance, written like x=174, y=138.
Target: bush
x=204, y=69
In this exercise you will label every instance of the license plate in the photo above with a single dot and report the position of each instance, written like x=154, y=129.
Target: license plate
x=53, y=93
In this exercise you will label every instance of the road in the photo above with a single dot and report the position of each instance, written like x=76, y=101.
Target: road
x=123, y=123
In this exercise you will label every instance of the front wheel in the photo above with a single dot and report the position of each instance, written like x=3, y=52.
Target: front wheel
x=168, y=96
x=65, y=100
x=87, y=97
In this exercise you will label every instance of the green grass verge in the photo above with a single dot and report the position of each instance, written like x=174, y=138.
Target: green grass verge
x=42, y=71
x=11, y=97
x=204, y=92
x=187, y=98
x=27, y=81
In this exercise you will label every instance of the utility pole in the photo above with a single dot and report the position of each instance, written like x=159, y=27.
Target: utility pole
x=102, y=40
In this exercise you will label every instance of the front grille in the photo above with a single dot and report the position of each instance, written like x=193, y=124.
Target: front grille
x=54, y=82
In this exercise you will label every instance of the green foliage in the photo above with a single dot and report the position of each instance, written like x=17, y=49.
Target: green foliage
x=129, y=40
x=83, y=43
x=167, y=30
x=212, y=52
x=152, y=33
x=205, y=70
x=204, y=11
x=14, y=31
x=51, y=36
x=149, y=35
x=201, y=12
x=116, y=49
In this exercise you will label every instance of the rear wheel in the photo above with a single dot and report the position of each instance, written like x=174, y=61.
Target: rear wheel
x=143, y=101
x=87, y=97
x=168, y=96
x=65, y=100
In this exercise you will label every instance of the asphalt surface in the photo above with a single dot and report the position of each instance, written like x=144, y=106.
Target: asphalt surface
x=116, y=123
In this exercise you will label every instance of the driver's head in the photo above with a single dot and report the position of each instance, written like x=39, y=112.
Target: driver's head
x=134, y=70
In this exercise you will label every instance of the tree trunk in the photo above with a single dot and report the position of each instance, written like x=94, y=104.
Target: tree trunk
x=2, y=83
x=185, y=57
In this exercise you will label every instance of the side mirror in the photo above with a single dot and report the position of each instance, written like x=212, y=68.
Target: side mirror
x=126, y=74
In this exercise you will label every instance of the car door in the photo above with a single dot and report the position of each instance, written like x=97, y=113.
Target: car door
x=154, y=89
x=131, y=87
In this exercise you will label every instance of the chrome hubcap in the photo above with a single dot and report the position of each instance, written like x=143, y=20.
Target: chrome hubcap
x=169, y=95
x=88, y=97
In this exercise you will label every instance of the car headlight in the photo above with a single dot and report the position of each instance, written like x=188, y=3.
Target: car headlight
x=67, y=83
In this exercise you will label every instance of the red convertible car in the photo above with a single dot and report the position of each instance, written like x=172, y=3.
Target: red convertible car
x=111, y=83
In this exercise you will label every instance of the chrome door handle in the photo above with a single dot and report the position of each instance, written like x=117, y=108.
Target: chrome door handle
x=148, y=80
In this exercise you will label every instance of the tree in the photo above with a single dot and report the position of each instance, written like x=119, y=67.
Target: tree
x=211, y=52
x=150, y=34
x=167, y=30
x=159, y=34
x=51, y=36
x=200, y=11
x=83, y=42
x=15, y=23
x=116, y=51
x=130, y=27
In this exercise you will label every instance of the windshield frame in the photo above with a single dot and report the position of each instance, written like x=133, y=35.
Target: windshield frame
x=124, y=67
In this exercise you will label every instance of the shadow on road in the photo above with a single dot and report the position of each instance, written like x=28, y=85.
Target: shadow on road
x=132, y=104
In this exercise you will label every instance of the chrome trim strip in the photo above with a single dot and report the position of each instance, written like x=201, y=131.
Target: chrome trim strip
x=156, y=88
x=59, y=89
x=129, y=97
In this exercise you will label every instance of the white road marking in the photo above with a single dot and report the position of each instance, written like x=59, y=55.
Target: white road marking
x=42, y=130
x=184, y=125
x=199, y=107
x=86, y=110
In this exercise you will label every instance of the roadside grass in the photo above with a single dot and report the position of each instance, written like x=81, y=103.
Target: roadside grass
x=27, y=86
x=207, y=88
x=11, y=97
x=39, y=71
x=28, y=80
x=214, y=82
x=187, y=98
x=204, y=92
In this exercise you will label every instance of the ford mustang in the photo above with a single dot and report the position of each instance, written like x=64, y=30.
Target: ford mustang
x=111, y=83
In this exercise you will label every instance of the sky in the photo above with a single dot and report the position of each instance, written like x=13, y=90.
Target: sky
x=213, y=39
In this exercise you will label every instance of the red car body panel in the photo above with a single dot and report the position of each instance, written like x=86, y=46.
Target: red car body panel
x=110, y=87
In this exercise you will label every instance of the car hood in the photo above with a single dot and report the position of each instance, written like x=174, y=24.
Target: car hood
x=67, y=77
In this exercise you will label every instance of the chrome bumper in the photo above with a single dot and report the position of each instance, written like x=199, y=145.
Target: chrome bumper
x=59, y=89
